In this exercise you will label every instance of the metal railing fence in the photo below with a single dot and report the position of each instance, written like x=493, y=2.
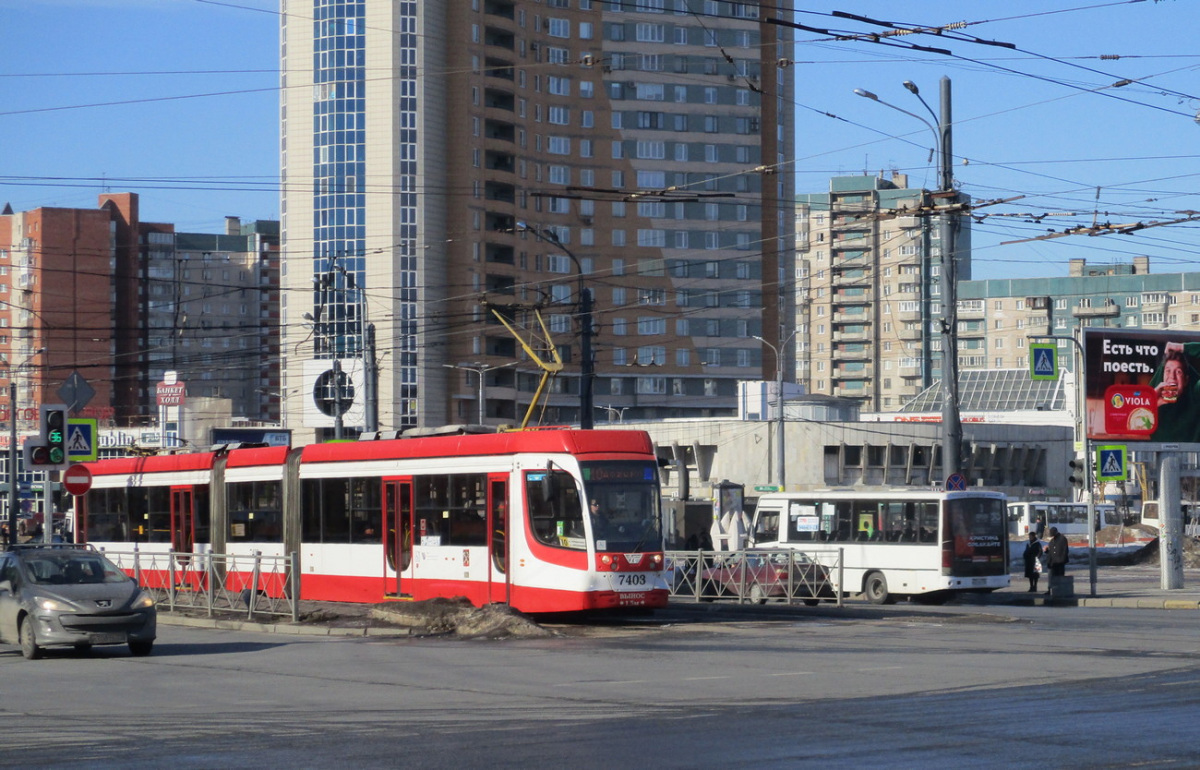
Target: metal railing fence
x=244, y=584
x=757, y=576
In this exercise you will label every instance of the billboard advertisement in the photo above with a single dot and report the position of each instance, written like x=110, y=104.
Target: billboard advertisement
x=1142, y=385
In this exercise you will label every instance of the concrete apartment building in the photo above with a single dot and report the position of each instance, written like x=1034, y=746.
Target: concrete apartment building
x=997, y=316
x=213, y=316
x=868, y=296
x=442, y=160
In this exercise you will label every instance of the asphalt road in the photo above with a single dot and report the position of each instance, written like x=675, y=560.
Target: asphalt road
x=882, y=687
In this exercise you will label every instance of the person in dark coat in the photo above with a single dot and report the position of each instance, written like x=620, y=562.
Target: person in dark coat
x=1056, y=553
x=1033, y=561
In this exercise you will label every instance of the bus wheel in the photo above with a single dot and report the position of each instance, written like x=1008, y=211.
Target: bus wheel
x=875, y=588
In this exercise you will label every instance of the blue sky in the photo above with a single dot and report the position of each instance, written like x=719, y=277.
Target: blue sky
x=176, y=100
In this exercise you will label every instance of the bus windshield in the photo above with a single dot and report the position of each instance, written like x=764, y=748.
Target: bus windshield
x=623, y=506
x=975, y=536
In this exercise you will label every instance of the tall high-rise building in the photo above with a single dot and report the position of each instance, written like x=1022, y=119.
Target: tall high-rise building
x=868, y=290
x=448, y=163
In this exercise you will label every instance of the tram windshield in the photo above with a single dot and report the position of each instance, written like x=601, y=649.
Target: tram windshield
x=623, y=506
x=621, y=513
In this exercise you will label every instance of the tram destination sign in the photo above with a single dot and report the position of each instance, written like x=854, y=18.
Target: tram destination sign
x=1142, y=386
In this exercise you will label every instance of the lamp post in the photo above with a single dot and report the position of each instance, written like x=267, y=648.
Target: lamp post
x=780, y=445
x=12, y=450
x=583, y=299
x=480, y=370
x=951, y=420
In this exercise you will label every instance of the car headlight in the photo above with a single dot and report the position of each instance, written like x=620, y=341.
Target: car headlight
x=47, y=604
x=143, y=601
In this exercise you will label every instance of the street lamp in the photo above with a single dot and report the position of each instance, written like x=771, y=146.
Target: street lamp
x=780, y=446
x=12, y=450
x=480, y=370
x=583, y=299
x=951, y=420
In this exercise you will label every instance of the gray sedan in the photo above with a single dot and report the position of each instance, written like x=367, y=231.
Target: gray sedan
x=69, y=595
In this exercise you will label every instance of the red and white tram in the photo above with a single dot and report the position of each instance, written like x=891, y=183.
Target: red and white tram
x=497, y=517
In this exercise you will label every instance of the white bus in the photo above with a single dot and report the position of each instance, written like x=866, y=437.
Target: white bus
x=904, y=543
x=1039, y=516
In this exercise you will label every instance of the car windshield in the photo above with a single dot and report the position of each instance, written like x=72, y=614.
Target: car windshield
x=64, y=568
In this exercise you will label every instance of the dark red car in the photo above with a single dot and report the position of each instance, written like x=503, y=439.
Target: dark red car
x=760, y=575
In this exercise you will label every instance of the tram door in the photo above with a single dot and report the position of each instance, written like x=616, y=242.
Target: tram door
x=183, y=520
x=498, y=580
x=397, y=533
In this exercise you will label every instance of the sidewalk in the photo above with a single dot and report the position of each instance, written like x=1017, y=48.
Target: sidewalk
x=1133, y=587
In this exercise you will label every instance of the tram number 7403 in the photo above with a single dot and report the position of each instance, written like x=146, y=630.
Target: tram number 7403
x=631, y=580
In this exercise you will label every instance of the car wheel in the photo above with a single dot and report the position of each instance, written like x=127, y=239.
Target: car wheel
x=29, y=645
x=141, y=649
x=875, y=588
x=811, y=602
x=757, y=594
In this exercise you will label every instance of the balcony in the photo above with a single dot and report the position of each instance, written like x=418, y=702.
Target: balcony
x=498, y=161
x=1110, y=310
x=498, y=191
x=499, y=38
x=505, y=9
x=501, y=130
x=495, y=99
x=498, y=68
x=499, y=253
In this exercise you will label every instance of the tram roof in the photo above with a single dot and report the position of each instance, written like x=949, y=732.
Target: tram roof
x=575, y=442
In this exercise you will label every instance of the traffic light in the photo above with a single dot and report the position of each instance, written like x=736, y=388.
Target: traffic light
x=1079, y=471
x=49, y=450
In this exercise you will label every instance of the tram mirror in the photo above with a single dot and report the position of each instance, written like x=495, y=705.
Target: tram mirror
x=549, y=486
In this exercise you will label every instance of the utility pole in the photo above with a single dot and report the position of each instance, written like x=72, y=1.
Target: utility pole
x=583, y=300
x=947, y=231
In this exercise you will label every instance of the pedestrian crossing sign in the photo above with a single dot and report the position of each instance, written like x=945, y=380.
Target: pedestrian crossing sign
x=82, y=440
x=1043, y=361
x=1112, y=463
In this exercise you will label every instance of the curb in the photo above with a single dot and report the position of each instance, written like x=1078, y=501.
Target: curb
x=277, y=628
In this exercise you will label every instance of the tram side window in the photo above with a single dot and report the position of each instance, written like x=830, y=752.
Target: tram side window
x=325, y=515
x=366, y=510
x=451, y=510
x=255, y=513
x=154, y=526
x=555, y=511
x=108, y=515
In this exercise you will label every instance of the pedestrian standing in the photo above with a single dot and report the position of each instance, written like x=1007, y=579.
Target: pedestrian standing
x=1056, y=554
x=1033, y=561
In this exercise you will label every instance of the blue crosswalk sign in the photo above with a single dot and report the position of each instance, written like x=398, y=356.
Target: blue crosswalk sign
x=1043, y=361
x=1111, y=463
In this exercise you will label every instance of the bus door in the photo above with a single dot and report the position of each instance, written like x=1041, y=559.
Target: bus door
x=498, y=580
x=397, y=536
